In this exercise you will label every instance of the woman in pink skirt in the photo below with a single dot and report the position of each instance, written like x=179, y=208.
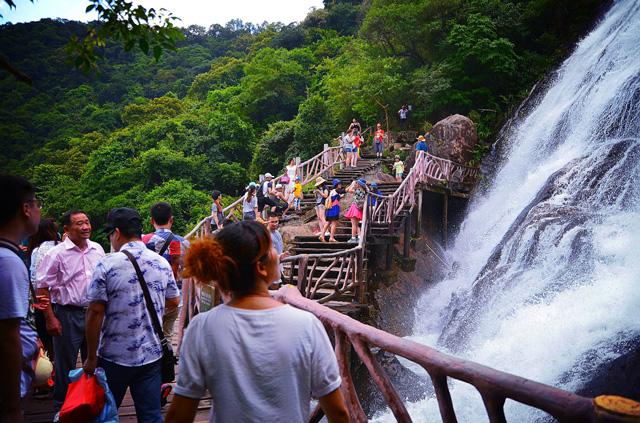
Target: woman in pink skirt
x=359, y=190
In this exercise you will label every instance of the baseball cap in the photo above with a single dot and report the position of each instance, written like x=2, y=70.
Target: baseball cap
x=123, y=218
x=336, y=182
x=362, y=182
x=268, y=175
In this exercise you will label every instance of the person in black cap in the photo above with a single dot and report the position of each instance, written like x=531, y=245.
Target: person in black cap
x=122, y=341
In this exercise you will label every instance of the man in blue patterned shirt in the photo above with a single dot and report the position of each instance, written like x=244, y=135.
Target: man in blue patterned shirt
x=162, y=221
x=119, y=331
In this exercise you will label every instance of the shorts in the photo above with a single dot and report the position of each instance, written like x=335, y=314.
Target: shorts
x=249, y=215
x=348, y=150
x=378, y=147
x=296, y=202
x=399, y=175
x=265, y=201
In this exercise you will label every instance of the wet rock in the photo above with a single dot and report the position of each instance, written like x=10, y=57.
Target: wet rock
x=455, y=137
x=617, y=377
x=383, y=177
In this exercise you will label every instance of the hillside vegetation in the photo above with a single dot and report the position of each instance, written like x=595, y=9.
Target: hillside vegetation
x=237, y=100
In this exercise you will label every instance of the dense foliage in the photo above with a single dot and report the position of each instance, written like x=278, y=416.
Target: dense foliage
x=237, y=100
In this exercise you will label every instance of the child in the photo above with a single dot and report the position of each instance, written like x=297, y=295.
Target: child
x=398, y=168
x=354, y=214
x=297, y=194
x=373, y=200
x=332, y=212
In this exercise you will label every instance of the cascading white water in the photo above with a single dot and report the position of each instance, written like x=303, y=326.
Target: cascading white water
x=549, y=256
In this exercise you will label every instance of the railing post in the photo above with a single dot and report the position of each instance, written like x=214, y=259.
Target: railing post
x=419, y=220
x=382, y=381
x=342, y=348
x=325, y=156
x=445, y=219
x=407, y=237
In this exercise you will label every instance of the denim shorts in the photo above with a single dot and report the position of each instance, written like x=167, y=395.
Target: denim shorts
x=348, y=150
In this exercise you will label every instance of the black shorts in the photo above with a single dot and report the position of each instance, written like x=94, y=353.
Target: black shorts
x=265, y=201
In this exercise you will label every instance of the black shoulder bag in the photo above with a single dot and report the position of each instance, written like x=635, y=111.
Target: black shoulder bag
x=168, y=359
x=167, y=242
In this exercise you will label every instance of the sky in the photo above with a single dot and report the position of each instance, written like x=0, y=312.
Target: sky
x=198, y=12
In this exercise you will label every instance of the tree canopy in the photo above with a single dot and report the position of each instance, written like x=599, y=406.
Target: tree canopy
x=225, y=103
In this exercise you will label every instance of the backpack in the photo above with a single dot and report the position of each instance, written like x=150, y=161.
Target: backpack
x=328, y=203
x=260, y=191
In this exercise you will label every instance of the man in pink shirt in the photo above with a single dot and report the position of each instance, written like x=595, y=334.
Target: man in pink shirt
x=64, y=274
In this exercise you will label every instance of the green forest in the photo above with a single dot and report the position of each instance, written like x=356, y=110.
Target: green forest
x=237, y=100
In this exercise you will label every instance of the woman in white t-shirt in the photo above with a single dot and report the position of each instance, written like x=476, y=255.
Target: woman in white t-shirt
x=261, y=360
x=250, y=203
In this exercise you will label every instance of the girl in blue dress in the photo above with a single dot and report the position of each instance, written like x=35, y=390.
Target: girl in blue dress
x=332, y=210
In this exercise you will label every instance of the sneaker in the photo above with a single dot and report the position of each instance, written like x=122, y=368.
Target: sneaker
x=353, y=239
x=56, y=417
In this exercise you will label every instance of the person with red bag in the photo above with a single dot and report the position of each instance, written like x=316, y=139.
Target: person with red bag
x=122, y=335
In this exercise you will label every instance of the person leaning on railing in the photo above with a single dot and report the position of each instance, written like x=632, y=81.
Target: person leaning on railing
x=261, y=360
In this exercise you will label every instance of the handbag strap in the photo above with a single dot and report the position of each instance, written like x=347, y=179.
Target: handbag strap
x=167, y=242
x=147, y=298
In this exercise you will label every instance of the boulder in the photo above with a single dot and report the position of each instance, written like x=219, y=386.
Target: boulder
x=455, y=136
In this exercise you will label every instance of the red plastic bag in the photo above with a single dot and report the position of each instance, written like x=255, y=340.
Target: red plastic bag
x=84, y=401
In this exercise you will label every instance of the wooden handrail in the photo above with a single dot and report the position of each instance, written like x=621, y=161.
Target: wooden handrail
x=493, y=385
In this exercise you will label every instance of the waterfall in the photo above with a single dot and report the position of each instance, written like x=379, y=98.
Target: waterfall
x=548, y=278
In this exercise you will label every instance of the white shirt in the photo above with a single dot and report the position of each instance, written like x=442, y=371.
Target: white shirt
x=258, y=365
x=249, y=206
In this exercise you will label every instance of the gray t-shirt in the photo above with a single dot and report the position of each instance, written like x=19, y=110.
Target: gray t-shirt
x=14, y=304
x=258, y=365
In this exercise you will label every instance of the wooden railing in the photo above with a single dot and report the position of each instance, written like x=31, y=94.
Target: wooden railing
x=312, y=273
x=426, y=169
x=308, y=171
x=494, y=386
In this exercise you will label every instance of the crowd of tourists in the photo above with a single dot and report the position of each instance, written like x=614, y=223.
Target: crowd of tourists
x=68, y=298
x=62, y=296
